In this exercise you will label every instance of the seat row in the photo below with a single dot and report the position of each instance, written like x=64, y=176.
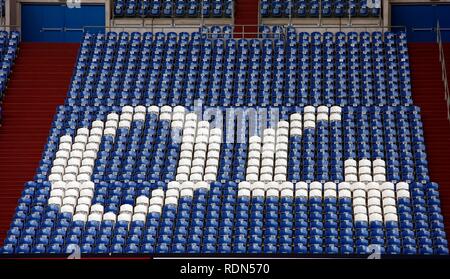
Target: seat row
x=230, y=217
x=177, y=8
x=316, y=8
x=174, y=69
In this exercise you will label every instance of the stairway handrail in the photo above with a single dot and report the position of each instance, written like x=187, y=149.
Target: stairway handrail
x=443, y=68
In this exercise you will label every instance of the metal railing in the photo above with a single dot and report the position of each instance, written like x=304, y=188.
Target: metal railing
x=443, y=68
x=320, y=15
x=243, y=31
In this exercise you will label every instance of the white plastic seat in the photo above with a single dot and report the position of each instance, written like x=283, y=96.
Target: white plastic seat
x=67, y=208
x=251, y=177
x=62, y=154
x=244, y=192
x=57, y=170
x=373, y=201
x=83, y=131
x=315, y=193
x=65, y=146
x=82, y=208
x=335, y=117
x=141, y=208
x=309, y=109
x=402, y=186
x=358, y=186
x=350, y=163
x=388, y=193
x=280, y=170
x=86, y=192
x=77, y=147
x=140, y=109
x=182, y=177
x=296, y=124
x=244, y=185
x=296, y=132
x=268, y=161
x=95, y=217
x=89, y=154
x=358, y=193
x=124, y=217
x=379, y=178
x=374, y=194
x=258, y=185
x=389, y=201
x=70, y=201
x=127, y=109
x=81, y=139
x=82, y=177
x=301, y=185
x=266, y=177
x=309, y=124
x=344, y=193
x=187, y=192
x=112, y=116
x=295, y=117
x=74, y=162
x=69, y=177
x=173, y=185
x=375, y=217
x=85, y=200
x=71, y=170
x=309, y=117
x=58, y=185
x=336, y=109
x=322, y=117
x=329, y=186
x=109, y=216
x=258, y=193
x=110, y=132
x=365, y=170
x=375, y=209
x=65, y=139
x=125, y=124
x=301, y=193
x=391, y=217
x=379, y=163
x=330, y=193
x=153, y=109
x=350, y=170
x=80, y=217
x=379, y=170
x=366, y=178
x=365, y=163
x=87, y=185
x=57, y=193
x=140, y=117
x=387, y=186
x=315, y=185
x=171, y=200
x=112, y=124
x=403, y=194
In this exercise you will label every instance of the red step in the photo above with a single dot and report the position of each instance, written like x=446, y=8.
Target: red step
x=246, y=13
x=428, y=94
x=39, y=83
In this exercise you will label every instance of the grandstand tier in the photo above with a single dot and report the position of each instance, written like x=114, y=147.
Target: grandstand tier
x=203, y=143
x=170, y=9
x=316, y=8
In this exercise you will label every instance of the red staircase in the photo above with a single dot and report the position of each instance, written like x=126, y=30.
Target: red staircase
x=39, y=83
x=246, y=13
x=428, y=94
